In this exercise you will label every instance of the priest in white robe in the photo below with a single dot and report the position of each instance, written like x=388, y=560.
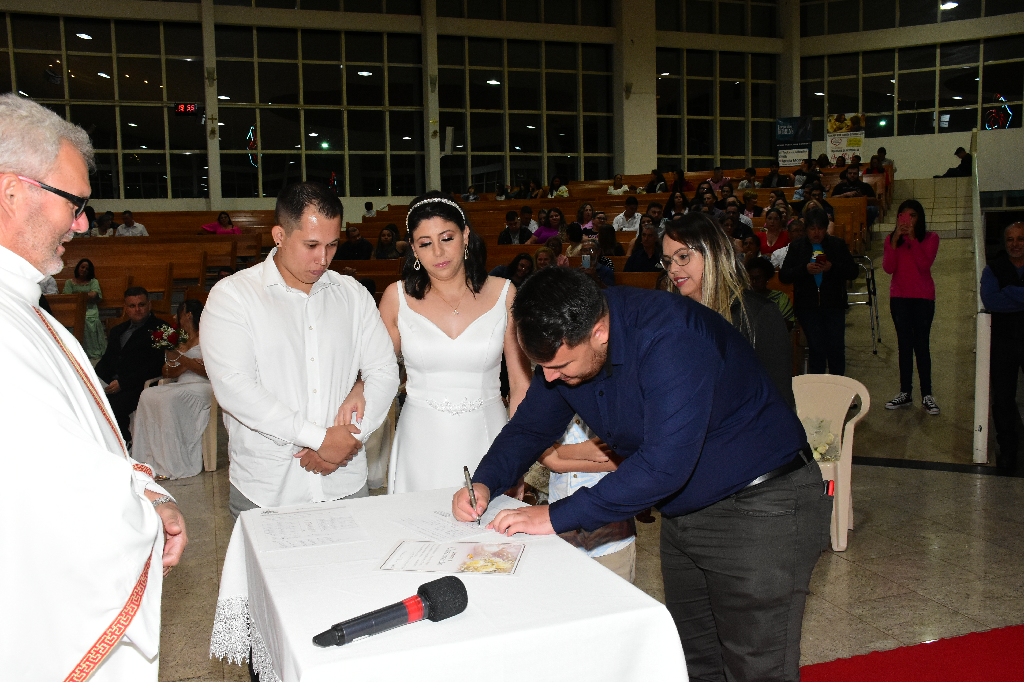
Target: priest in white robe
x=87, y=534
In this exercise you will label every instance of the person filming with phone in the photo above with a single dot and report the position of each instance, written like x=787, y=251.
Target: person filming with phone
x=818, y=266
x=593, y=266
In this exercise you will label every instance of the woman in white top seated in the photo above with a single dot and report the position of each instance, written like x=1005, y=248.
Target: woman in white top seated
x=169, y=423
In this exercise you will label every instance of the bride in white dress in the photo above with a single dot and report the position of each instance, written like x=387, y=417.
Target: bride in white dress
x=451, y=323
x=170, y=419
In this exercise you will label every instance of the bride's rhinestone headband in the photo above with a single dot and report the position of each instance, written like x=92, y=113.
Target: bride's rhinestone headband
x=432, y=201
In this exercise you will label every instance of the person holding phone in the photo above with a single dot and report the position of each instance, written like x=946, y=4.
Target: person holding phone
x=593, y=267
x=908, y=256
x=818, y=266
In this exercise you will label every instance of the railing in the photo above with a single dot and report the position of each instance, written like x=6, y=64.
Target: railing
x=983, y=335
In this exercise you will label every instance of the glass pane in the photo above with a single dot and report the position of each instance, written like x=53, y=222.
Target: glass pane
x=90, y=77
x=953, y=54
x=407, y=176
x=522, y=54
x=843, y=65
x=878, y=93
x=523, y=90
x=324, y=46
x=997, y=49
x=404, y=48
x=365, y=130
x=699, y=137
x=560, y=56
x=763, y=21
x=699, y=16
x=698, y=97
x=1005, y=116
x=958, y=120
x=669, y=62
x=183, y=39
x=920, y=123
x=916, y=91
x=918, y=12
x=484, y=9
x=762, y=138
x=451, y=88
x=368, y=176
x=142, y=128
x=325, y=5
x=137, y=37
x=234, y=41
x=812, y=99
x=812, y=67
x=5, y=72
x=562, y=134
x=559, y=12
x=485, y=52
x=762, y=100
x=561, y=91
x=403, y=7
x=879, y=61
x=186, y=132
x=451, y=51
x=599, y=167
x=597, y=136
x=449, y=8
x=324, y=126
x=596, y=57
x=139, y=79
x=405, y=86
x=279, y=83
x=669, y=103
x=185, y=81
x=364, y=86
x=279, y=170
x=732, y=65
x=104, y=182
x=457, y=121
x=237, y=128
x=812, y=20
x=958, y=87
x=486, y=132
x=964, y=9
x=670, y=141
x=524, y=132
x=998, y=7
x=697, y=165
x=35, y=32
x=843, y=16
x=235, y=81
x=406, y=129
x=364, y=47
x=189, y=176
x=280, y=4
x=700, y=63
x=879, y=14
x=89, y=35
x=566, y=167
x=733, y=138
x=597, y=93
x=321, y=84
x=145, y=176
x=732, y=98
x=1003, y=80
x=595, y=13
x=917, y=57
x=453, y=171
x=328, y=169
x=523, y=169
x=762, y=67
x=732, y=18
x=280, y=129
x=238, y=176
x=485, y=89
x=486, y=171
x=842, y=96
x=277, y=43
x=99, y=122
x=879, y=126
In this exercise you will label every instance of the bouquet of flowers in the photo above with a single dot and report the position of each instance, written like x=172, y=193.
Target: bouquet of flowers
x=823, y=442
x=166, y=337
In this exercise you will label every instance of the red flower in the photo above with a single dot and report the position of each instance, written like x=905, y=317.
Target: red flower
x=158, y=335
x=172, y=338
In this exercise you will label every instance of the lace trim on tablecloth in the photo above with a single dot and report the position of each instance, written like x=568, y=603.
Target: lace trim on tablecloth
x=261, y=662
x=235, y=635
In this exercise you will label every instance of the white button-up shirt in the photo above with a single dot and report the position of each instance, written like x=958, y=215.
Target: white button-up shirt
x=136, y=230
x=281, y=363
x=622, y=223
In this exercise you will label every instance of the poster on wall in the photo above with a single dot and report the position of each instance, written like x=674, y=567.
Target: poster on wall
x=844, y=136
x=792, y=140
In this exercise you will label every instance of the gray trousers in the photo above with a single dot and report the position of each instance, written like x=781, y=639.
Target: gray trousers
x=736, y=575
x=238, y=503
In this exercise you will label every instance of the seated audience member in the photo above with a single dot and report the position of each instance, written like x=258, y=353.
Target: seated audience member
x=389, y=246
x=171, y=419
x=726, y=194
x=760, y=271
x=608, y=246
x=655, y=210
x=130, y=359
x=574, y=235
x=544, y=257
x=681, y=185
x=800, y=176
x=853, y=186
x=514, y=232
x=517, y=270
x=557, y=189
x=535, y=191
x=749, y=180
x=744, y=226
x=617, y=187
x=819, y=266
x=369, y=211
x=526, y=219
x=84, y=281
x=471, y=194
x=717, y=179
x=645, y=220
x=90, y=215
x=105, y=226
x=646, y=256
x=796, y=231
x=774, y=178
x=783, y=207
x=855, y=160
x=585, y=216
x=130, y=227
x=600, y=220
x=751, y=249
x=657, y=183
x=822, y=162
x=552, y=226
x=700, y=263
x=750, y=207
x=599, y=269
x=875, y=166
x=818, y=195
x=774, y=236
x=223, y=225
x=886, y=161
x=629, y=219
x=355, y=247
x=709, y=202
x=502, y=193
x=676, y=204
x=840, y=161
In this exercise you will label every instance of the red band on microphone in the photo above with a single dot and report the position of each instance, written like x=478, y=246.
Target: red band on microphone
x=414, y=605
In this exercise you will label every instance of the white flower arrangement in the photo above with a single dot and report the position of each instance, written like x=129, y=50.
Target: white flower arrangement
x=823, y=442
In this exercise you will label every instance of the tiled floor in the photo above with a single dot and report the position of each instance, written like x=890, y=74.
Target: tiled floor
x=933, y=554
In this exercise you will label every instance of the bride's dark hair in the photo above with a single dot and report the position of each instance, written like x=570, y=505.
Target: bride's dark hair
x=437, y=204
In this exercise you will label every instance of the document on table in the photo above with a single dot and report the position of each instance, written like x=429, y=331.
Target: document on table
x=441, y=526
x=308, y=526
x=500, y=558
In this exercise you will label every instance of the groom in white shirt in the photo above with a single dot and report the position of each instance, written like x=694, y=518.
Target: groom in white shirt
x=284, y=343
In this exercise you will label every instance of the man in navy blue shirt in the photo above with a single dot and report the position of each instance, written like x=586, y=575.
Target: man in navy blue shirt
x=673, y=389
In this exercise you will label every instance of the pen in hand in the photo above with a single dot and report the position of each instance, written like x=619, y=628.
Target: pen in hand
x=472, y=495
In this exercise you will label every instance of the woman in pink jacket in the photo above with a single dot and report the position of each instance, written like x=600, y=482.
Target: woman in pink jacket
x=909, y=253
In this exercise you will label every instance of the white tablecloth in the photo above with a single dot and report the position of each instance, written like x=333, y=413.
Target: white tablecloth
x=562, y=616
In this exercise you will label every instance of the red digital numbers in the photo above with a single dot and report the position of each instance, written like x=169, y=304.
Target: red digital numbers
x=185, y=109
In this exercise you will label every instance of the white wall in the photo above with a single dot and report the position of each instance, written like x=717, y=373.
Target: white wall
x=1001, y=159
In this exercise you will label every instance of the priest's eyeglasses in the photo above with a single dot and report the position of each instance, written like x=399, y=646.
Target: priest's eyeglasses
x=680, y=258
x=78, y=202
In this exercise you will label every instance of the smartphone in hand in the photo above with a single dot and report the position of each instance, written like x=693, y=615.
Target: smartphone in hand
x=586, y=261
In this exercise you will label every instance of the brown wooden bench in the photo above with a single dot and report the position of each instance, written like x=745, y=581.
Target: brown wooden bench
x=69, y=310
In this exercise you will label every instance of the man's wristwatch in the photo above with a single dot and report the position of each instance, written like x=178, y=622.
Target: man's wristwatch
x=162, y=500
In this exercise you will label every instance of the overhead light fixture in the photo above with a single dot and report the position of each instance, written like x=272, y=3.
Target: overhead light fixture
x=977, y=79
x=519, y=149
x=820, y=94
x=188, y=153
x=23, y=93
x=101, y=74
x=531, y=127
x=493, y=82
x=955, y=97
x=664, y=74
x=736, y=83
x=126, y=75
x=144, y=146
x=223, y=97
x=324, y=145
x=406, y=138
x=458, y=146
x=132, y=125
x=84, y=36
x=298, y=146
x=881, y=122
x=364, y=73
x=145, y=81
x=187, y=59
x=313, y=134
x=949, y=5
x=220, y=124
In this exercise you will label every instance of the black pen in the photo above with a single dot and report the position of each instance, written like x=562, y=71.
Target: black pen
x=472, y=495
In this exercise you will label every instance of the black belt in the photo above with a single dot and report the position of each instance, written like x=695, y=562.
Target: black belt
x=802, y=459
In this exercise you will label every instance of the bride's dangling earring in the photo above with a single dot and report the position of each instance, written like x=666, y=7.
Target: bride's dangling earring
x=416, y=265
x=466, y=253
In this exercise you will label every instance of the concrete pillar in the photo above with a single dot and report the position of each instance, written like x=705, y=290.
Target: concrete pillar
x=634, y=88
x=431, y=113
x=789, y=60
x=212, y=132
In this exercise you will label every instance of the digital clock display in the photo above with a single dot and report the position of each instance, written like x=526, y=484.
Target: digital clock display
x=186, y=109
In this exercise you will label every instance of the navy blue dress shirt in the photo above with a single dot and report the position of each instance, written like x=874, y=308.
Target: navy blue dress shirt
x=682, y=398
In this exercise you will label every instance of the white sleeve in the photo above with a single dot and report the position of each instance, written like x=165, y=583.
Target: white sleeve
x=377, y=365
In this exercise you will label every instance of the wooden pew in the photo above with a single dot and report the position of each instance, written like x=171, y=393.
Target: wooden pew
x=641, y=280
x=69, y=310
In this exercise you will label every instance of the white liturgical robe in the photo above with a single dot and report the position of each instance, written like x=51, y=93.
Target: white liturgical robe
x=281, y=363
x=77, y=528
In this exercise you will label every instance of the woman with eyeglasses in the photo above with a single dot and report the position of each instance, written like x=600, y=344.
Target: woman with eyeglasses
x=701, y=264
x=84, y=281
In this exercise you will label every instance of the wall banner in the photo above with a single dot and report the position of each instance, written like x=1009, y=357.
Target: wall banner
x=792, y=140
x=845, y=136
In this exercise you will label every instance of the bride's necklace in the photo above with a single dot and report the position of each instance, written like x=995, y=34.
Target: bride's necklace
x=455, y=308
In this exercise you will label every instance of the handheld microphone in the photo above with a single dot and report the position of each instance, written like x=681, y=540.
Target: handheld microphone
x=436, y=600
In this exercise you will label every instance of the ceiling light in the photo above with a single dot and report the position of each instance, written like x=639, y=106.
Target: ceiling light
x=949, y=5
x=22, y=92
x=665, y=74
x=313, y=134
x=290, y=162
x=892, y=80
x=976, y=79
x=86, y=36
x=493, y=82
x=223, y=97
x=736, y=83
x=364, y=73
x=406, y=138
x=100, y=73
x=145, y=81
x=220, y=124
x=297, y=146
x=820, y=94
x=531, y=127
x=144, y=146
x=126, y=75
x=882, y=122
x=519, y=149
x=132, y=125
x=458, y=146
x=187, y=59
x=324, y=145
x=188, y=153
x=955, y=97
x=205, y=168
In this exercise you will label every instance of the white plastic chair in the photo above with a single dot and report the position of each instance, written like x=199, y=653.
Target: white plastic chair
x=209, y=435
x=827, y=396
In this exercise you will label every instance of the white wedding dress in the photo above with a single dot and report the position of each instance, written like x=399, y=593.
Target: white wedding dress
x=453, y=408
x=170, y=421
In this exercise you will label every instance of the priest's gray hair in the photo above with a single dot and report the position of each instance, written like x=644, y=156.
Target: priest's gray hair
x=31, y=137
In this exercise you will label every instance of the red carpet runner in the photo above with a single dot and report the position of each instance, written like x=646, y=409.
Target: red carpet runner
x=993, y=656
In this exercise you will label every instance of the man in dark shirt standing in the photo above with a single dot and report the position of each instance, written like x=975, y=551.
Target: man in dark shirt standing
x=354, y=247
x=677, y=393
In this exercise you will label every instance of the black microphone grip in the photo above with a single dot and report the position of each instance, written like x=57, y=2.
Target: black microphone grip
x=367, y=624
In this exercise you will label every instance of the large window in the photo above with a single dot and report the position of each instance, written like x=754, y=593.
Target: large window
x=345, y=109
x=117, y=80
x=820, y=17
x=581, y=12
x=728, y=17
x=715, y=109
x=371, y=6
x=952, y=87
x=521, y=110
